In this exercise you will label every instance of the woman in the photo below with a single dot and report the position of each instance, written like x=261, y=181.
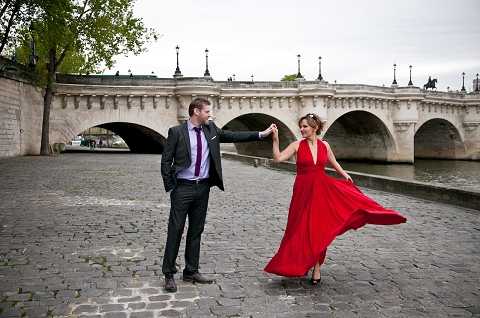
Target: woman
x=322, y=207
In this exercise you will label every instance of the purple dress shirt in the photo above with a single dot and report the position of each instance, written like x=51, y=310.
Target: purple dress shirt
x=189, y=173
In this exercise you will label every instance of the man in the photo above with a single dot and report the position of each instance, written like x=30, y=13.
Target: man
x=190, y=166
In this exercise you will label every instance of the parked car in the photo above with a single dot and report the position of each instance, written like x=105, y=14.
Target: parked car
x=77, y=141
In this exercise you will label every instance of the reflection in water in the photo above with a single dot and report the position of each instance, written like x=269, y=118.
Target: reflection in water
x=452, y=173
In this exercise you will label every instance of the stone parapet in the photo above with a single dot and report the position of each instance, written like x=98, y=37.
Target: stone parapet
x=206, y=86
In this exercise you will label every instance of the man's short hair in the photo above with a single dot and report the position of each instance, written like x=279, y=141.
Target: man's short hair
x=197, y=103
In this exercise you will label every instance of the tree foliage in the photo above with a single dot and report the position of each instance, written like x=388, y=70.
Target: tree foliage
x=72, y=63
x=15, y=16
x=289, y=77
x=89, y=32
x=77, y=36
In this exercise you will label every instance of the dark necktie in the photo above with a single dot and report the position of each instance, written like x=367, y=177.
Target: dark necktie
x=199, y=151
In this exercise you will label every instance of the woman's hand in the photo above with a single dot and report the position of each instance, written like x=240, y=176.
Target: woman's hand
x=274, y=133
x=348, y=177
x=267, y=131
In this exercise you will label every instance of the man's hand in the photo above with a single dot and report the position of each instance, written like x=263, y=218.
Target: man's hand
x=268, y=131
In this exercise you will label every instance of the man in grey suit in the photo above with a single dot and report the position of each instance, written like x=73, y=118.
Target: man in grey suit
x=191, y=164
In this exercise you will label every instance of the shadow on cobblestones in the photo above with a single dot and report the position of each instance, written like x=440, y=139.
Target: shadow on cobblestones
x=82, y=235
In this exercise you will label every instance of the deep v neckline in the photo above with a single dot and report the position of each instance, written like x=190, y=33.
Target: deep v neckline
x=315, y=160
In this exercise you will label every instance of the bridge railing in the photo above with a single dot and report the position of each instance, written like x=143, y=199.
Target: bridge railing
x=152, y=80
x=258, y=84
x=126, y=80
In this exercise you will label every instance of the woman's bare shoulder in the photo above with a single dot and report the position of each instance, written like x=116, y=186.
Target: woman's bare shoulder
x=296, y=143
x=325, y=143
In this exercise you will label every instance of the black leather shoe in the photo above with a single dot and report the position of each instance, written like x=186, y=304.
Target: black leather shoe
x=197, y=278
x=170, y=285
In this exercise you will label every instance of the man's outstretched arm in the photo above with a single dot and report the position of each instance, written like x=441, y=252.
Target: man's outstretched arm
x=227, y=136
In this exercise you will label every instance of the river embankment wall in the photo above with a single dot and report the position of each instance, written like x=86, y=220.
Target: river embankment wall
x=21, y=104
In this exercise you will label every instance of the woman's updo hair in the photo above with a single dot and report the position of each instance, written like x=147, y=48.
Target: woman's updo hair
x=313, y=121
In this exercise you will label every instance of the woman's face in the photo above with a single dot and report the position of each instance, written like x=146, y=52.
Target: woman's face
x=306, y=130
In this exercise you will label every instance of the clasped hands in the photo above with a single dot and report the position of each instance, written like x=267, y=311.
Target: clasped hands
x=272, y=128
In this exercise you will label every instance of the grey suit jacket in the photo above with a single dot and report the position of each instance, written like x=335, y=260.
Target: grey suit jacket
x=177, y=152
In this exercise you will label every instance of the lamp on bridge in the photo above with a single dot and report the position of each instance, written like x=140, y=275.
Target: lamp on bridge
x=463, y=82
x=177, y=70
x=233, y=77
x=299, y=75
x=320, y=78
x=252, y=78
x=207, y=72
x=394, y=83
x=410, y=81
x=476, y=86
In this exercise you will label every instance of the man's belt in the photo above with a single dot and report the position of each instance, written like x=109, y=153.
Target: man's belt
x=197, y=181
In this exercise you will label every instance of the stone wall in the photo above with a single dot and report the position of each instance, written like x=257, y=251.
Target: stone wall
x=20, y=117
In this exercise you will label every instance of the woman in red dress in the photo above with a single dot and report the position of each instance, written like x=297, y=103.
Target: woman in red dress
x=322, y=207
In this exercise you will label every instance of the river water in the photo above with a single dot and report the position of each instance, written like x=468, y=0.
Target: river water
x=452, y=173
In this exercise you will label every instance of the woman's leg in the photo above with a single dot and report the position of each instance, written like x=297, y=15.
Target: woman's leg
x=316, y=268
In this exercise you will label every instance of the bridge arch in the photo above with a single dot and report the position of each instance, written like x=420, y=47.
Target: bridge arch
x=360, y=135
x=139, y=137
x=438, y=138
x=258, y=122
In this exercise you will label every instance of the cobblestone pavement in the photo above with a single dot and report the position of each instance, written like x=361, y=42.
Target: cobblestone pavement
x=82, y=235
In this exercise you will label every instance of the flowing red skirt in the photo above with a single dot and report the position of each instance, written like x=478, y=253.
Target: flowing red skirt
x=321, y=209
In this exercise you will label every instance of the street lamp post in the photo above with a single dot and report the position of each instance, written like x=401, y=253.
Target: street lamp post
x=207, y=72
x=33, y=54
x=252, y=78
x=233, y=77
x=476, y=86
x=299, y=75
x=410, y=81
x=394, y=74
x=178, y=73
x=463, y=82
x=320, y=77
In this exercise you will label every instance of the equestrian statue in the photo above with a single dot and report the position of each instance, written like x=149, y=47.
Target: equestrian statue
x=430, y=84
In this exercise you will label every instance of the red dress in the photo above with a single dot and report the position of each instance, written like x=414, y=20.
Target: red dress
x=322, y=208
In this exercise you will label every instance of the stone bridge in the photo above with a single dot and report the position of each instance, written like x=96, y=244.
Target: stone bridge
x=394, y=124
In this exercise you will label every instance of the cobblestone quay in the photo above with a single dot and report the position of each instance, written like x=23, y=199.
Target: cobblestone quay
x=82, y=235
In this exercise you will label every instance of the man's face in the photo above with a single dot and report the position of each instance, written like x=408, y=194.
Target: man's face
x=203, y=113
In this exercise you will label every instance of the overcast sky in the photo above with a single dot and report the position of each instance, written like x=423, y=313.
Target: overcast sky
x=358, y=40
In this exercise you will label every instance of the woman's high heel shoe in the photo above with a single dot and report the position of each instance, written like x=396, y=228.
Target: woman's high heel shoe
x=315, y=281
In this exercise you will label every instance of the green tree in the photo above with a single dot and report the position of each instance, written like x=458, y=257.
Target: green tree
x=15, y=15
x=289, y=77
x=78, y=36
